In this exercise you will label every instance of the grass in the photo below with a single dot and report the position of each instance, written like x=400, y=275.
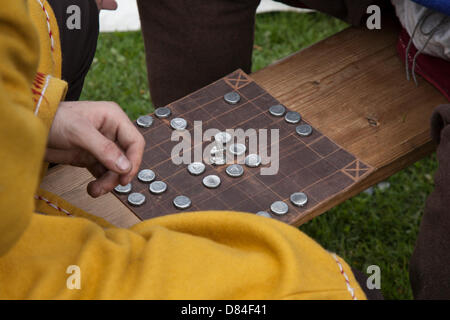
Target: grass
x=378, y=229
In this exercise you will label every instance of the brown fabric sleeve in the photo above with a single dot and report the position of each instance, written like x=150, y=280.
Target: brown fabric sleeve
x=430, y=262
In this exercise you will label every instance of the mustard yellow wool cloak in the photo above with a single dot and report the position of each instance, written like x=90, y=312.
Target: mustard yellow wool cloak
x=202, y=255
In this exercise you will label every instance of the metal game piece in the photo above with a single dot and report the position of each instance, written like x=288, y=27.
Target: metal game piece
x=182, y=202
x=253, y=160
x=217, y=161
x=232, y=97
x=279, y=208
x=216, y=150
x=196, y=168
x=304, y=130
x=144, y=121
x=163, y=112
x=146, y=175
x=238, y=149
x=299, y=199
x=223, y=137
x=178, y=124
x=235, y=170
x=277, y=110
x=264, y=214
x=293, y=117
x=136, y=199
x=157, y=187
x=123, y=189
x=212, y=181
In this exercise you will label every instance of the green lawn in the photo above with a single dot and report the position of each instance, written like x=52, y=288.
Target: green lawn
x=378, y=229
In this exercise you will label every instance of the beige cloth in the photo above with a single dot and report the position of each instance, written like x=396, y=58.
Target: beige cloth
x=409, y=14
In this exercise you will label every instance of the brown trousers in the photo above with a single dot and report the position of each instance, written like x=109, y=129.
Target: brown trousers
x=190, y=44
x=429, y=267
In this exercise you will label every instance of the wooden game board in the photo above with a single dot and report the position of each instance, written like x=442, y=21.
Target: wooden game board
x=314, y=165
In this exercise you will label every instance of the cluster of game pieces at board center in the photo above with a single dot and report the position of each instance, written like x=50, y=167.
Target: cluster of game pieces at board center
x=217, y=158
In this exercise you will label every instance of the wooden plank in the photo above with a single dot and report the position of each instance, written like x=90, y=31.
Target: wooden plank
x=351, y=87
x=343, y=81
x=70, y=183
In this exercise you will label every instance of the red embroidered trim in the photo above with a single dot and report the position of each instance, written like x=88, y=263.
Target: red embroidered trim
x=50, y=33
x=54, y=206
x=347, y=281
x=38, y=84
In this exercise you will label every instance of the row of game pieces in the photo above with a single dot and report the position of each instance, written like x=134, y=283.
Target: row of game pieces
x=231, y=98
x=211, y=181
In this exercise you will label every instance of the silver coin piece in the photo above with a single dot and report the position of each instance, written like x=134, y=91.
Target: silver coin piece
x=212, y=181
x=222, y=137
x=217, y=150
x=146, y=175
x=277, y=110
x=136, y=199
x=196, y=168
x=157, y=187
x=235, y=170
x=238, y=149
x=264, y=214
x=253, y=160
x=279, y=208
x=144, y=121
x=182, y=202
x=304, y=130
x=163, y=112
x=217, y=161
x=293, y=117
x=232, y=97
x=123, y=189
x=178, y=124
x=299, y=199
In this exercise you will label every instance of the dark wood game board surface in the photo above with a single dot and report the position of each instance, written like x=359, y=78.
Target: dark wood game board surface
x=314, y=165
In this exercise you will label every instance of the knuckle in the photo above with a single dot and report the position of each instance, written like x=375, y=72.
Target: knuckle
x=109, y=148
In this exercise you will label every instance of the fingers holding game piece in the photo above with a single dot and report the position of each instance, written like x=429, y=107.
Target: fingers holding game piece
x=100, y=137
x=118, y=127
x=133, y=144
x=97, y=170
x=103, y=149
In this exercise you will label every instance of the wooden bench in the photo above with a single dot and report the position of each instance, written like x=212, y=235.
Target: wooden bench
x=351, y=86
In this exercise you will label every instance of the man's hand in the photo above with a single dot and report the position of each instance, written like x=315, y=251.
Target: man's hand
x=106, y=4
x=100, y=137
